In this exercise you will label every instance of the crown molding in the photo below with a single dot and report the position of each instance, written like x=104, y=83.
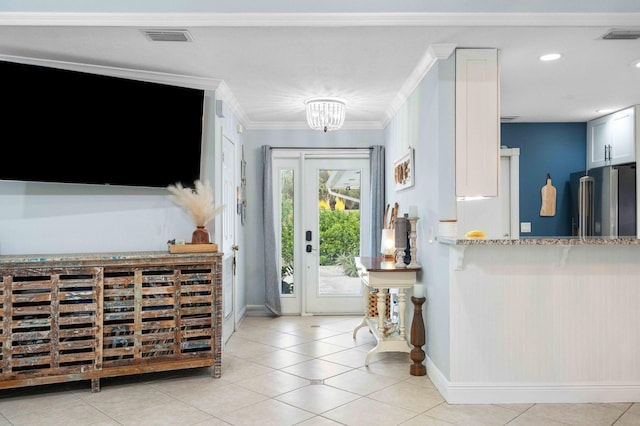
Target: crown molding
x=149, y=76
x=320, y=19
x=433, y=54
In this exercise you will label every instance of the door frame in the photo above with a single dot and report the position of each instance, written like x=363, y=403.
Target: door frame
x=294, y=158
x=229, y=224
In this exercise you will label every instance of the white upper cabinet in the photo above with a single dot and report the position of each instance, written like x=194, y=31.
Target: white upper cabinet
x=477, y=123
x=612, y=139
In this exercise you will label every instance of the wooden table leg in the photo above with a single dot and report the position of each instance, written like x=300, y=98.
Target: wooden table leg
x=417, y=338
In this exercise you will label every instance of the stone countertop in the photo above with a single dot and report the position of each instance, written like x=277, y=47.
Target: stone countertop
x=94, y=257
x=542, y=241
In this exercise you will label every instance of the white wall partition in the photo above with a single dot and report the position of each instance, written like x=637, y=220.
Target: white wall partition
x=544, y=324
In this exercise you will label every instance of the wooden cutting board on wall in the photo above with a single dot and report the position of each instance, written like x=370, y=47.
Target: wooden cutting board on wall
x=548, y=193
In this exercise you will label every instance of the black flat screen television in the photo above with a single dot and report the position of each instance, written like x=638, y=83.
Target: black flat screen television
x=74, y=127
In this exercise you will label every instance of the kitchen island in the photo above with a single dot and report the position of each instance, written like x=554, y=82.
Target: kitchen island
x=542, y=320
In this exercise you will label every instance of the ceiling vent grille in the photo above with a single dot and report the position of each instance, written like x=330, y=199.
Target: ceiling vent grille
x=622, y=35
x=508, y=118
x=168, y=35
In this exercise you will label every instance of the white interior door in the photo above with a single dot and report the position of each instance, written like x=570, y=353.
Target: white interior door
x=335, y=200
x=228, y=236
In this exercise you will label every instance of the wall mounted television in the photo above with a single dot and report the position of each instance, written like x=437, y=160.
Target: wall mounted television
x=75, y=127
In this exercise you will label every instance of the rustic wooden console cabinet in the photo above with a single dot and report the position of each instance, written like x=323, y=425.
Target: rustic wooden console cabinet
x=88, y=316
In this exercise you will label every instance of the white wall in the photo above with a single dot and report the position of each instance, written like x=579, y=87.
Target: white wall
x=426, y=123
x=41, y=218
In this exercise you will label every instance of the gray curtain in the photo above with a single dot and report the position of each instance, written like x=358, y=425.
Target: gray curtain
x=376, y=166
x=271, y=284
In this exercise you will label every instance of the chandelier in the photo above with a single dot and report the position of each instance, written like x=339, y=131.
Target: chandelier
x=325, y=113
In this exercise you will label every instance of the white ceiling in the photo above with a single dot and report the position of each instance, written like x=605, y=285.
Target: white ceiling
x=266, y=65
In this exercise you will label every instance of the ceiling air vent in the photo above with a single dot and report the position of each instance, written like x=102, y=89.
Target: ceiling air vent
x=622, y=35
x=168, y=35
x=508, y=118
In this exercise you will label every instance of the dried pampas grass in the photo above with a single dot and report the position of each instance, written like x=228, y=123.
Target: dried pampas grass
x=198, y=202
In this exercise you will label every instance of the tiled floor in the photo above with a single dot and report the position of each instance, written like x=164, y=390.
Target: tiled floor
x=288, y=371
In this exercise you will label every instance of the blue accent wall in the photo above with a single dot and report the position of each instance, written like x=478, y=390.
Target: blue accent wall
x=555, y=148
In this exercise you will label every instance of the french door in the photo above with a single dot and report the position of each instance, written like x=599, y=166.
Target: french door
x=322, y=203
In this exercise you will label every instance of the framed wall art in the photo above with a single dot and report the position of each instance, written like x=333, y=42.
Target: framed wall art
x=403, y=173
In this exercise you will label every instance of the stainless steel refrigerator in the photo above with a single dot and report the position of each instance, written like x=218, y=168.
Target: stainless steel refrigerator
x=604, y=201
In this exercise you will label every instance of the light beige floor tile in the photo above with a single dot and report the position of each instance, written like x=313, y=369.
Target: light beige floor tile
x=368, y=346
x=389, y=367
x=273, y=338
x=628, y=419
x=27, y=402
x=345, y=323
x=76, y=413
x=410, y=397
x=213, y=421
x=120, y=402
x=349, y=357
x=315, y=349
x=274, y=383
x=318, y=421
x=317, y=398
x=520, y=408
x=175, y=413
x=472, y=415
x=315, y=333
x=234, y=369
x=242, y=348
x=360, y=382
x=257, y=321
x=316, y=369
x=424, y=420
x=635, y=408
x=179, y=386
x=280, y=359
x=287, y=324
x=528, y=419
x=424, y=381
x=367, y=412
x=223, y=399
x=267, y=413
x=580, y=414
x=346, y=340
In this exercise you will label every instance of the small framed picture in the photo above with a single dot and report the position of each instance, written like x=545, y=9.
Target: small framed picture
x=403, y=173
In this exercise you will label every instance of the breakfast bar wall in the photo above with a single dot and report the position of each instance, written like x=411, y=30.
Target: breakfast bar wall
x=87, y=316
x=542, y=320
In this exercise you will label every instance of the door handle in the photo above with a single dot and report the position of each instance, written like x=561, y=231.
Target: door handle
x=309, y=249
x=235, y=247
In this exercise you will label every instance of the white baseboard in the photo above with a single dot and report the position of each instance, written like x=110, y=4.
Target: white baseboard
x=518, y=393
x=257, y=311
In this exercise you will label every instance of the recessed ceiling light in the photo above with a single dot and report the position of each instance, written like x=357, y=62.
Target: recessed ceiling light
x=636, y=64
x=550, y=57
x=604, y=110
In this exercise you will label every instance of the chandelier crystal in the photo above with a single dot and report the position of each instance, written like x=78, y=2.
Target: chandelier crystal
x=325, y=114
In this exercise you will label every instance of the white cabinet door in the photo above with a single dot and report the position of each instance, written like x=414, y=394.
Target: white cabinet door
x=622, y=137
x=611, y=139
x=477, y=122
x=598, y=142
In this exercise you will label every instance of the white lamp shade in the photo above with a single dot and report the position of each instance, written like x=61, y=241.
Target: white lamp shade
x=325, y=114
